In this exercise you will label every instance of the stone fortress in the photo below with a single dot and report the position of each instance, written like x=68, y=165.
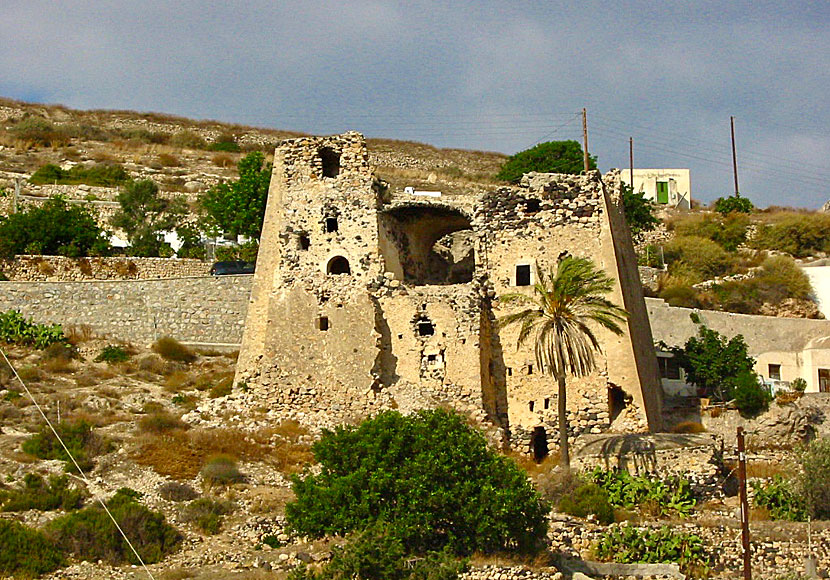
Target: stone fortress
x=366, y=298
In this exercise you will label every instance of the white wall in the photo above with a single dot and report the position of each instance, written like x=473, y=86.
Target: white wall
x=645, y=180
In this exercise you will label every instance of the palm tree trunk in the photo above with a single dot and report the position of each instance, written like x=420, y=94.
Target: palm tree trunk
x=564, y=446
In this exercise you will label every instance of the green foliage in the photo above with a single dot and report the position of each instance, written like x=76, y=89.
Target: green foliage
x=225, y=142
x=100, y=174
x=272, y=541
x=697, y=257
x=191, y=239
x=207, y=514
x=40, y=131
x=588, y=499
x=171, y=349
x=246, y=252
x=238, y=208
x=814, y=478
x=733, y=203
x=55, y=228
x=112, y=353
x=801, y=235
x=78, y=437
x=378, y=554
x=37, y=494
x=145, y=215
x=26, y=553
x=429, y=476
x=750, y=396
x=187, y=139
x=16, y=329
x=549, y=157
x=175, y=491
x=639, y=211
x=91, y=535
x=781, y=499
x=221, y=470
x=627, y=545
x=798, y=385
x=727, y=231
x=670, y=496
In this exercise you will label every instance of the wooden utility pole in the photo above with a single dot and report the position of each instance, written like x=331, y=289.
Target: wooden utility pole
x=744, y=504
x=585, y=139
x=631, y=161
x=734, y=157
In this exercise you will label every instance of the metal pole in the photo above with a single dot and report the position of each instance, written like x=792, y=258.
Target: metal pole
x=631, y=161
x=16, y=195
x=585, y=139
x=734, y=156
x=744, y=505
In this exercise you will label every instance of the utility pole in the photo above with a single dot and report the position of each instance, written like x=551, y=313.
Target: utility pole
x=734, y=157
x=744, y=504
x=16, y=198
x=585, y=139
x=631, y=161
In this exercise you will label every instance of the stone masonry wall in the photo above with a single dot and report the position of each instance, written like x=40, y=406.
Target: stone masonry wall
x=202, y=310
x=59, y=268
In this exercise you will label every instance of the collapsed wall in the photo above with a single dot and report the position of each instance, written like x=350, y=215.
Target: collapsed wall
x=365, y=298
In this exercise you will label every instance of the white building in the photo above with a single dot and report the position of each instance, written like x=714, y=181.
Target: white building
x=672, y=187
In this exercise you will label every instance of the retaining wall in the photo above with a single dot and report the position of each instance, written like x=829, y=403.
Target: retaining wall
x=61, y=269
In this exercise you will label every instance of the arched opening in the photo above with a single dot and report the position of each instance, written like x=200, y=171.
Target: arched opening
x=616, y=402
x=338, y=265
x=428, y=244
x=330, y=161
x=539, y=444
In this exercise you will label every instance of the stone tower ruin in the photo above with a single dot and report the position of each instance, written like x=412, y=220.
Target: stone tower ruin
x=366, y=298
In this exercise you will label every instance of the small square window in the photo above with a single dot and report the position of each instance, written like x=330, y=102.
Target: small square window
x=425, y=328
x=523, y=275
x=331, y=225
x=775, y=372
x=323, y=323
x=432, y=357
x=305, y=242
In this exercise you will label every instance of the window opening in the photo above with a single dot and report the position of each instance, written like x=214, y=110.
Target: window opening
x=824, y=380
x=509, y=372
x=305, y=242
x=616, y=402
x=532, y=205
x=775, y=372
x=331, y=225
x=547, y=404
x=323, y=323
x=530, y=405
x=330, y=161
x=339, y=265
x=523, y=275
x=669, y=367
x=425, y=328
x=432, y=357
x=530, y=369
x=539, y=444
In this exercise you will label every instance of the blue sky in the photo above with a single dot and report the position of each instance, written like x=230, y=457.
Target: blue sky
x=497, y=76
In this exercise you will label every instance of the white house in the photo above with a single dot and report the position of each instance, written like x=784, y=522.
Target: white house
x=672, y=187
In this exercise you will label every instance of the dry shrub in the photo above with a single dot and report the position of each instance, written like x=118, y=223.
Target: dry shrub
x=103, y=156
x=222, y=160
x=208, y=380
x=171, y=349
x=688, y=427
x=221, y=469
x=169, y=160
x=93, y=376
x=221, y=389
x=555, y=484
x=45, y=268
x=178, y=381
x=179, y=574
x=78, y=333
x=175, y=491
x=531, y=466
x=787, y=397
x=126, y=269
x=30, y=374
x=161, y=422
x=153, y=364
x=59, y=366
x=85, y=267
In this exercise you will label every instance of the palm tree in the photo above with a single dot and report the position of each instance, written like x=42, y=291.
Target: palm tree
x=563, y=304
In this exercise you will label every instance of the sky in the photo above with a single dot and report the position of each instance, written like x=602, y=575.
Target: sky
x=495, y=76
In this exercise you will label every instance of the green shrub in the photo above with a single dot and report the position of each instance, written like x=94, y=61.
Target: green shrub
x=39, y=131
x=221, y=470
x=91, y=535
x=667, y=496
x=207, y=514
x=639, y=211
x=732, y=204
x=15, y=329
x=100, y=174
x=798, y=385
x=749, y=395
x=272, y=541
x=37, y=494
x=728, y=231
x=175, y=491
x=801, y=235
x=815, y=475
x=161, y=422
x=112, y=353
x=588, y=499
x=697, y=257
x=780, y=498
x=171, y=349
x=78, y=437
x=26, y=553
x=549, y=157
x=628, y=545
x=429, y=476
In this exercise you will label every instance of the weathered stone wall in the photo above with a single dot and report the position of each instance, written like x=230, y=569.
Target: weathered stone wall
x=203, y=310
x=59, y=268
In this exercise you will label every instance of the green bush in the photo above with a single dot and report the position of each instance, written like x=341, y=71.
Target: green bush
x=549, y=157
x=429, y=476
x=100, y=174
x=171, y=349
x=728, y=231
x=39, y=131
x=175, y=491
x=588, y=499
x=815, y=475
x=112, y=353
x=667, y=496
x=91, y=535
x=207, y=514
x=144, y=215
x=628, y=545
x=26, y=553
x=697, y=257
x=161, y=422
x=733, y=204
x=799, y=234
x=78, y=437
x=798, y=385
x=221, y=470
x=639, y=211
x=37, y=494
x=15, y=329
x=781, y=499
x=749, y=395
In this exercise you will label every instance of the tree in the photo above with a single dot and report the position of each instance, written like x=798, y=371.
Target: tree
x=639, y=211
x=549, y=157
x=55, y=228
x=428, y=477
x=733, y=203
x=239, y=207
x=145, y=216
x=564, y=303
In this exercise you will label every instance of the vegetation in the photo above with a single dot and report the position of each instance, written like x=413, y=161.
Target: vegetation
x=429, y=477
x=588, y=499
x=815, y=473
x=225, y=142
x=221, y=470
x=171, y=349
x=175, y=491
x=799, y=234
x=79, y=439
x=565, y=302
x=729, y=231
x=26, y=553
x=238, y=208
x=781, y=499
x=145, y=216
x=113, y=353
x=16, y=329
x=549, y=157
x=91, y=535
x=639, y=211
x=663, y=497
x=55, y=228
x=38, y=494
x=207, y=514
x=100, y=174
x=733, y=204
x=40, y=131
x=627, y=544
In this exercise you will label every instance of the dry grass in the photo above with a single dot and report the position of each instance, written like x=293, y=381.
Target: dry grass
x=78, y=333
x=169, y=160
x=223, y=160
x=688, y=427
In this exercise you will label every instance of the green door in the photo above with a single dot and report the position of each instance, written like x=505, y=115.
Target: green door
x=662, y=192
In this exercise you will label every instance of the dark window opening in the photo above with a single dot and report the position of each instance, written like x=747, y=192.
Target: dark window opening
x=532, y=205
x=425, y=328
x=669, y=367
x=547, y=404
x=775, y=372
x=539, y=444
x=616, y=402
x=339, y=265
x=432, y=357
x=530, y=405
x=523, y=275
x=331, y=224
x=509, y=372
x=323, y=323
x=400, y=337
x=824, y=380
x=331, y=162
x=530, y=369
x=304, y=242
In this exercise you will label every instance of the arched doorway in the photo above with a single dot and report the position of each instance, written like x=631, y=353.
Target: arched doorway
x=338, y=265
x=539, y=444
